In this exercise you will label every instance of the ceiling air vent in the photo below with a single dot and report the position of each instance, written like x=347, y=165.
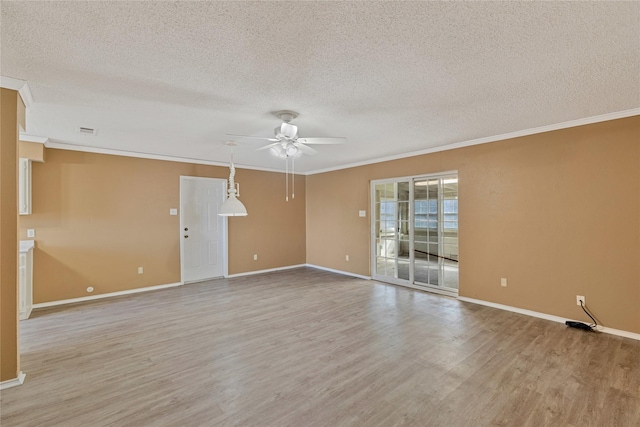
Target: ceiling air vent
x=87, y=131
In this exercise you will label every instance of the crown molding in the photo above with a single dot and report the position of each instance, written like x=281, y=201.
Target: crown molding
x=33, y=138
x=19, y=85
x=532, y=131
x=25, y=92
x=11, y=83
x=125, y=153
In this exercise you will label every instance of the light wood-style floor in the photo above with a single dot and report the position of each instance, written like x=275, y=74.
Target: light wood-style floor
x=312, y=348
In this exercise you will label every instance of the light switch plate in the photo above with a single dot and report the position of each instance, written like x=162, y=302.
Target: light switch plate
x=362, y=213
x=173, y=211
x=31, y=232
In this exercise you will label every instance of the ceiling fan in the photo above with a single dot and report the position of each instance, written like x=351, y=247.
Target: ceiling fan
x=288, y=145
x=286, y=142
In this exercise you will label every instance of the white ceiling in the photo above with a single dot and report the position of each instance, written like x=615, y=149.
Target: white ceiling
x=172, y=78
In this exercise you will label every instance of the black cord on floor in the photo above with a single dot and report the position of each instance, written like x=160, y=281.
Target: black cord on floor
x=585, y=310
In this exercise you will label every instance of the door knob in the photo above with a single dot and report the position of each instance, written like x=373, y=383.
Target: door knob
x=186, y=229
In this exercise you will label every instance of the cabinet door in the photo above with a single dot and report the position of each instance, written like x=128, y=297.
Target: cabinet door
x=24, y=187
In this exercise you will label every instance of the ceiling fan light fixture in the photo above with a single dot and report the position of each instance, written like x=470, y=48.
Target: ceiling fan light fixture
x=291, y=150
x=278, y=151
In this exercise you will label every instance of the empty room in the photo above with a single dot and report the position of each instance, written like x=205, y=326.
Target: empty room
x=316, y=213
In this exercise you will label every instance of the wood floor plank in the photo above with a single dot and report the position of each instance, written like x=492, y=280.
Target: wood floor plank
x=311, y=348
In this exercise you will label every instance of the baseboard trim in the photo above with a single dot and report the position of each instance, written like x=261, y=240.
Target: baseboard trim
x=102, y=296
x=14, y=382
x=345, y=273
x=618, y=332
x=268, y=270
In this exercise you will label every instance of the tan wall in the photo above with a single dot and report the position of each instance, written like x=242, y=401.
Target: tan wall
x=31, y=150
x=11, y=116
x=98, y=217
x=557, y=214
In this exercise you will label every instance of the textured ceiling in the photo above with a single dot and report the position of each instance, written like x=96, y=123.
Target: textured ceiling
x=173, y=78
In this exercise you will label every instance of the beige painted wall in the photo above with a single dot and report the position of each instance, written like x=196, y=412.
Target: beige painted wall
x=31, y=150
x=12, y=115
x=557, y=214
x=98, y=217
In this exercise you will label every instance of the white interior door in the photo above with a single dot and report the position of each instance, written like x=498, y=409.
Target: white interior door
x=202, y=230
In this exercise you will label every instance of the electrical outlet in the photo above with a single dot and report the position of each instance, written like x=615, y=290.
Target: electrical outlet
x=503, y=282
x=31, y=232
x=90, y=289
x=580, y=298
x=140, y=270
x=346, y=257
x=255, y=257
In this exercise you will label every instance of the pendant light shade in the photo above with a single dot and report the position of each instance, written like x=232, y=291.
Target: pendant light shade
x=232, y=206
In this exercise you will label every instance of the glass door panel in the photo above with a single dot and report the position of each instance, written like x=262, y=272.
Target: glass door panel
x=388, y=224
x=450, y=231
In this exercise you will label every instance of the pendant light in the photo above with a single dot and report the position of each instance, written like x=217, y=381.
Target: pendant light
x=232, y=206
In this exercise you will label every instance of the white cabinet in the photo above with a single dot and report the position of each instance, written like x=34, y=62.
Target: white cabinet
x=24, y=186
x=25, y=278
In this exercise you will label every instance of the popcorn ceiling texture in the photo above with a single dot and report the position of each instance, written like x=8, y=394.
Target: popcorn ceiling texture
x=393, y=77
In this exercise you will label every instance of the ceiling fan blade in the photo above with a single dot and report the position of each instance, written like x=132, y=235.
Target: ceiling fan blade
x=268, y=146
x=253, y=137
x=305, y=149
x=323, y=140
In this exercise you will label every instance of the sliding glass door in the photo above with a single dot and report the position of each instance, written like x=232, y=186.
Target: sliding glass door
x=415, y=231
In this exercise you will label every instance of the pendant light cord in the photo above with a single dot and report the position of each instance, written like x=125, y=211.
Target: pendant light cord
x=232, y=174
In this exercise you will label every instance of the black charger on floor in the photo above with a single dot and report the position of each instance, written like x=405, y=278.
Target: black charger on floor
x=578, y=325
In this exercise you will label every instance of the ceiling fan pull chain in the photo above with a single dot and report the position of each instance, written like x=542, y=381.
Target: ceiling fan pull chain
x=293, y=177
x=286, y=178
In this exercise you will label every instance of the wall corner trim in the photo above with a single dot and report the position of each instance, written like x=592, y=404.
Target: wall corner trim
x=346, y=273
x=269, y=270
x=618, y=332
x=102, y=296
x=14, y=382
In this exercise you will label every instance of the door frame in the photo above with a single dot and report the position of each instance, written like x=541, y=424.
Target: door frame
x=372, y=237
x=224, y=231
